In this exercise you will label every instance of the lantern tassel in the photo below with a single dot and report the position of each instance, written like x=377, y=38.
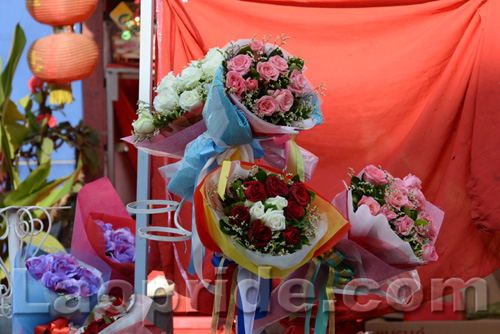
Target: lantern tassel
x=61, y=93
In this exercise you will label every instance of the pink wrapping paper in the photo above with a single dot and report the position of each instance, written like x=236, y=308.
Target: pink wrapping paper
x=375, y=258
x=172, y=141
x=98, y=197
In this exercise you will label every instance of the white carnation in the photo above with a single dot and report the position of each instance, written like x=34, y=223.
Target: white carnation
x=189, y=78
x=279, y=201
x=274, y=219
x=168, y=82
x=212, y=61
x=144, y=124
x=257, y=211
x=166, y=101
x=190, y=99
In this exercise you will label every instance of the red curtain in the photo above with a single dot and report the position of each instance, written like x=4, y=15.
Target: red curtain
x=412, y=85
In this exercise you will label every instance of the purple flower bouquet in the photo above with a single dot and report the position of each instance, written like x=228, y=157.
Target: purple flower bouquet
x=63, y=274
x=119, y=243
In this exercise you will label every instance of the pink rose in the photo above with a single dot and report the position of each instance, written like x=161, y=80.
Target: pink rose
x=285, y=99
x=398, y=185
x=267, y=105
x=372, y=204
x=240, y=64
x=411, y=181
x=388, y=213
x=235, y=81
x=257, y=46
x=374, y=175
x=430, y=230
x=267, y=71
x=419, y=198
x=280, y=64
x=252, y=84
x=404, y=225
x=299, y=83
x=429, y=253
x=396, y=199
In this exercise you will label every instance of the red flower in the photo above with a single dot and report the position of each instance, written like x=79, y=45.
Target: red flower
x=259, y=235
x=239, y=215
x=35, y=84
x=292, y=235
x=51, y=121
x=254, y=191
x=276, y=187
x=299, y=193
x=294, y=210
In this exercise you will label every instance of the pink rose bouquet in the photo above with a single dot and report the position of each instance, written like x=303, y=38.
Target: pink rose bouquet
x=392, y=222
x=269, y=86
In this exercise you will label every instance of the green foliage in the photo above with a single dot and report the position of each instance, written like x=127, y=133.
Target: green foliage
x=31, y=137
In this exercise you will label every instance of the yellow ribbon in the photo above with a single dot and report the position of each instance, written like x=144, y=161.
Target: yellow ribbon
x=295, y=159
x=330, y=296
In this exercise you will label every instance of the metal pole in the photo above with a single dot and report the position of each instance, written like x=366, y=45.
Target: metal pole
x=143, y=159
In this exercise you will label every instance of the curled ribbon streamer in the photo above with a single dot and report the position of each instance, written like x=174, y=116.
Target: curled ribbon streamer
x=217, y=297
x=232, y=304
x=57, y=326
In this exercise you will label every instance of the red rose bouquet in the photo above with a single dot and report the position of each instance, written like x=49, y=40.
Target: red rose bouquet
x=391, y=220
x=263, y=218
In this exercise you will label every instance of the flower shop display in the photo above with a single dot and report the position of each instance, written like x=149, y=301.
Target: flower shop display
x=264, y=218
x=393, y=225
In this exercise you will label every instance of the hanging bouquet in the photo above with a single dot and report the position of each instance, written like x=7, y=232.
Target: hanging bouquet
x=391, y=220
x=63, y=274
x=179, y=100
x=269, y=86
x=174, y=120
x=119, y=243
x=263, y=218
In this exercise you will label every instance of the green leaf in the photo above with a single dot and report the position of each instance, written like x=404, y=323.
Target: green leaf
x=313, y=196
x=16, y=49
x=46, y=150
x=25, y=101
x=27, y=192
x=261, y=175
x=12, y=114
x=421, y=222
x=225, y=228
x=56, y=194
x=16, y=133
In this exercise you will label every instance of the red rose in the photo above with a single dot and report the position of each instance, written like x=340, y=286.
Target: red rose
x=259, y=235
x=254, y=191
x=276, y=187
x=294, y=210
x=299, y=193
x=239, y=215
x=292, y=235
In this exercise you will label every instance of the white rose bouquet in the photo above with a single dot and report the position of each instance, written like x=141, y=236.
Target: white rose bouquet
x=178, y=105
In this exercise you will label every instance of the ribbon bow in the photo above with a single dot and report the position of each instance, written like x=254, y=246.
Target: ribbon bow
x=57, y=326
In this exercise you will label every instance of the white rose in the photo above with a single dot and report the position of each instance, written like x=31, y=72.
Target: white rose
x=190, y=99
x=212, y=61
x=189, y=78
x=279, y=201
x=168, y=82
x=166, y=101
x=274, y=219
x=257, y=211
x=144, y=124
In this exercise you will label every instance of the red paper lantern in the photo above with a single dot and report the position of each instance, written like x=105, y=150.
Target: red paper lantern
x=61, y=12
x=62, y=58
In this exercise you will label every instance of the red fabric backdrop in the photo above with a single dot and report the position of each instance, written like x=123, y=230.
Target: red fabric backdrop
x=411, y=85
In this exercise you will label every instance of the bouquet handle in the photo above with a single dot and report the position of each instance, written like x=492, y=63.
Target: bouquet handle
x=168, y=206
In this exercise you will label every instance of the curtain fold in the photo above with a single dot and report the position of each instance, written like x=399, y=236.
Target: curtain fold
x=412, y=86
